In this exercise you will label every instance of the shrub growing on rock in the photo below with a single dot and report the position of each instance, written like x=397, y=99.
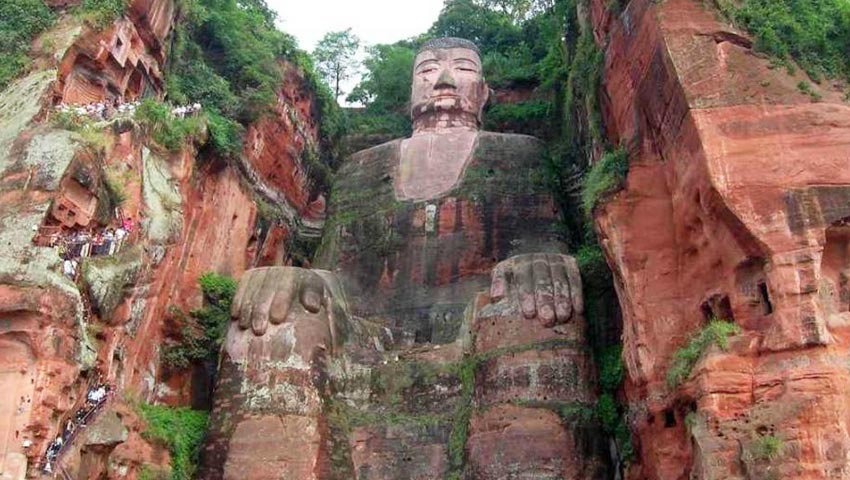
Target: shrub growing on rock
x=717, y=332
x=607, y=176
x=204, y=329
x=182, y=430
x=815, y=33
x=101, y=13
x=167, y=130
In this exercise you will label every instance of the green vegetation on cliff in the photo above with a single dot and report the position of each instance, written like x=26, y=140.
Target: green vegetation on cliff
x=814, y=33
x=180, y=429
x=227, y=55
x=100, y=13
x=768, y=447
x=20, y=22
x=203, y=329
x=605, y=177
x=165, y=129
x=686, y=358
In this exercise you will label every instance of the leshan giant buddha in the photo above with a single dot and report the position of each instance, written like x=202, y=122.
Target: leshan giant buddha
x=417, y=224
x=439, y=257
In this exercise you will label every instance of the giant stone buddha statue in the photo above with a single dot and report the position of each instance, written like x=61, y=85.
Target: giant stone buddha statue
x=422, y=230
x=417, y=224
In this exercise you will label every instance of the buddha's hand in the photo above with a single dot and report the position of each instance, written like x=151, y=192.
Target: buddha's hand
x=545, y=286
x=274, y=295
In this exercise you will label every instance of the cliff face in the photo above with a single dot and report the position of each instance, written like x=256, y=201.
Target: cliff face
x=735, y=207
x=192, y=213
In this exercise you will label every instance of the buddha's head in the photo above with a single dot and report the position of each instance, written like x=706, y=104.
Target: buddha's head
x=448, y=85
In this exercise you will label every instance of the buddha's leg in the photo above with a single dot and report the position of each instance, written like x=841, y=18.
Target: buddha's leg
x=534, y=371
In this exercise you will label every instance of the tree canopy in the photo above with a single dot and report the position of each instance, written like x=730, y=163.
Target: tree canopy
x=20, y=21
x=335, y=57
x=226, y=54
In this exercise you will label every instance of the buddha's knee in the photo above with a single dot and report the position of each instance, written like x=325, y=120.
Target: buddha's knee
x=285, y=314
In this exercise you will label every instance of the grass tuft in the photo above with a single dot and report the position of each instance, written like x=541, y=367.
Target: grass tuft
x=717, y=332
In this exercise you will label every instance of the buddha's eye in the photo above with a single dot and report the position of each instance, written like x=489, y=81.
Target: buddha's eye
x=466, y=69
x=427, y=70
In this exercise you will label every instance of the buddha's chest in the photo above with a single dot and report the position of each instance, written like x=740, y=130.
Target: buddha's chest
x=499, y=206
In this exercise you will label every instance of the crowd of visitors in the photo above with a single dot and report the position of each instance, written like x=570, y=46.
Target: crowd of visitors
x=76, y=245
x=96, y=396
x=183, y=111
x=106, y=110
x=99, y=110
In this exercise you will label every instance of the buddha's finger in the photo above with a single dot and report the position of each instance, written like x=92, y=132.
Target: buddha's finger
x=236, y=305
x=263, y=303
x=498, y=282
x=250, y=298
x=561, y=288
x=543, y=291
x=284, y=293
x=312, y=289
x=574, y=280
x=525, y=283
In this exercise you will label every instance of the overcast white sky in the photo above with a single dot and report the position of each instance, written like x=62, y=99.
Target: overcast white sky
x=374, y=21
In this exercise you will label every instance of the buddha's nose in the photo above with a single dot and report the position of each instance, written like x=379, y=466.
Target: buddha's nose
x=446, y=80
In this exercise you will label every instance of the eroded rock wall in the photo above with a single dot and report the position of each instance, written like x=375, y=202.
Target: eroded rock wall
x=193, y=213
x=735, y=207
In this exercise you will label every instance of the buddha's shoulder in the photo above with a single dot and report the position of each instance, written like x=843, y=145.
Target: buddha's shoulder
x=509, y=138
x=379, y=154
x=513, y=147
x=368, y=168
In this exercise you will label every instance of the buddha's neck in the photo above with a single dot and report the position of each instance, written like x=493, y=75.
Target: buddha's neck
x=442, y=122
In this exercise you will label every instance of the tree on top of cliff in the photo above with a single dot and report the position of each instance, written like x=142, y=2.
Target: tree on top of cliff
x=518, y=10
x=490, y=29
x=334, y=57
x=226, y=54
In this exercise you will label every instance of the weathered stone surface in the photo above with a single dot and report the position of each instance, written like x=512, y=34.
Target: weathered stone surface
x=545, y=375
x=108, y=430
x=281, y=151
x=120, y=62
x=108, y=278
x=508, y=442
x=734, y=207
x=419, y=263
x=270, y=396
x=414, y=452
x=163, y=216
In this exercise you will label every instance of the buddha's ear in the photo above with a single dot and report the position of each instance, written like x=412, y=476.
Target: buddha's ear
x=486, y=93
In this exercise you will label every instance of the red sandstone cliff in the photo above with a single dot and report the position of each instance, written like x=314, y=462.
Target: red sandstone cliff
x=191, y=217
x=736, y=206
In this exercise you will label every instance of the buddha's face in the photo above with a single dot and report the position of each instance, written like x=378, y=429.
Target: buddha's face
x=448, y=82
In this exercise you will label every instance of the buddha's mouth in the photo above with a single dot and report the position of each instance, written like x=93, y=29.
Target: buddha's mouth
x=445, y=96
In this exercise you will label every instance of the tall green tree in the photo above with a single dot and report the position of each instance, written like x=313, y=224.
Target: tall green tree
x=518, y=10
x=334, y=57
x=385, y=86
x=491, y=30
